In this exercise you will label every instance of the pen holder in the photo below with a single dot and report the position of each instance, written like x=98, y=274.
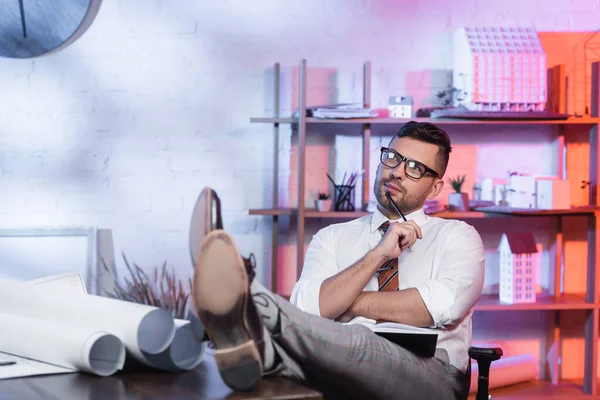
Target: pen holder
x=343, y=198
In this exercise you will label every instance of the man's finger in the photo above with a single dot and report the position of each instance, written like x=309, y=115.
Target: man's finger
x=413, y=228
x=417, y=229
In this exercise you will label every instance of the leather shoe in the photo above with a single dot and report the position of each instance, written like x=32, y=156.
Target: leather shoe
x=221, y=296
x=206, y=217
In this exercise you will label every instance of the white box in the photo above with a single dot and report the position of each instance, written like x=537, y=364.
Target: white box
x=489, y=191
x=400, y=107
x=553, y=194
x=522, y=191
x=502, y=192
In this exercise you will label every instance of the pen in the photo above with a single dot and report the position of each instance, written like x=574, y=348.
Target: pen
x=389, y=196
x=7, y=363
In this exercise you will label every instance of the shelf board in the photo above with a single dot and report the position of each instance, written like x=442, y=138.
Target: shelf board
x=437, y=121
x=459, y=214
x=272, y=211
x=490, y=302
x=309, y=213
x=270, y=120
x=313, y=213
x=587, y=210
x=497, y=213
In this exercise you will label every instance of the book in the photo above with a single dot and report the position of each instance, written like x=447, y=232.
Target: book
x=421, y=341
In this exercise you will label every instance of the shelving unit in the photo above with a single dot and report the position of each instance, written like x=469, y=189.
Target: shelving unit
x=553, y=301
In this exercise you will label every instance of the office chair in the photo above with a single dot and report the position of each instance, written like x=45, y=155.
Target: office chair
x=484, y=358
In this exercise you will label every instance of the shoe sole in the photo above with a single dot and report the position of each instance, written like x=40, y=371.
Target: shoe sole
x=221, y=293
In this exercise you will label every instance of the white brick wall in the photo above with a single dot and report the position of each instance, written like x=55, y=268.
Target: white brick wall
x=124, y=128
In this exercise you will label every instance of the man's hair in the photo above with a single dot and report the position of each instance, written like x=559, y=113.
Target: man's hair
x=429, y=133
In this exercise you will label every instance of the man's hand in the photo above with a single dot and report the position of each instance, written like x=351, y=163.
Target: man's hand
x=399, y=236
x=347, y=316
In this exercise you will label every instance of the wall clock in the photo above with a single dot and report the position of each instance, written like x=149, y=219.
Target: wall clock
x=31, y=28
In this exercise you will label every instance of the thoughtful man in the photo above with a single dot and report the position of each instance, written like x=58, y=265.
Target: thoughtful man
x=424, y=271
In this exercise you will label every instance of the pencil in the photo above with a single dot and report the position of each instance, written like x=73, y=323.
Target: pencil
x=389, y=196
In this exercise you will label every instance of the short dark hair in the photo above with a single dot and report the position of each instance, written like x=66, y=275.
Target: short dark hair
x=429, y=133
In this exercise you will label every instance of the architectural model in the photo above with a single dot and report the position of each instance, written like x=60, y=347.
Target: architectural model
x=500, y=69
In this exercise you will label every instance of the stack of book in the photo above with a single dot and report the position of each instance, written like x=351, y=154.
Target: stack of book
x=338, y=111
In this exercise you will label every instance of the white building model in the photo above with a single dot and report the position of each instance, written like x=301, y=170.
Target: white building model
x=518, y=265
x=500, y=69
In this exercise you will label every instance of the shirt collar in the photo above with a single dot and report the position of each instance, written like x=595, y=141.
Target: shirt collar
x=378, y=218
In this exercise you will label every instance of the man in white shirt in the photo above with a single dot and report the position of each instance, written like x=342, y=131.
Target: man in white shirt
x=433, y=268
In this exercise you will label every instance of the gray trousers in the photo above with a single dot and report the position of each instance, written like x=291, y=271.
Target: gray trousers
x=350, y=361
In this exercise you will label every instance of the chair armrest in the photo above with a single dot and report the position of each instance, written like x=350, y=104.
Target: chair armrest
x=484, y=357
x=485, y=353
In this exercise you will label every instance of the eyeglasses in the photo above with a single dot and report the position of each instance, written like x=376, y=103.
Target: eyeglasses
x=414, y=169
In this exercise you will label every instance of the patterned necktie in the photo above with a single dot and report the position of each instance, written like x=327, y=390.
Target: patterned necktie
x=387, y=275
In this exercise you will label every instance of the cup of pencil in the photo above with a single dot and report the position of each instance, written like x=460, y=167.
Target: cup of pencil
x=343, y=196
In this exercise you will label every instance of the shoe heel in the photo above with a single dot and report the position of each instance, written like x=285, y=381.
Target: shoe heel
x=240, y=366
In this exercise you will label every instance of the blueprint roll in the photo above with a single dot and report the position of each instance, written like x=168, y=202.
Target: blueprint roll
x=143, y=329
x=184, y=353
x=508, y=371
x=70, y=347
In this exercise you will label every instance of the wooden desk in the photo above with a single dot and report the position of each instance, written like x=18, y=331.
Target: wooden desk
x=204, y=382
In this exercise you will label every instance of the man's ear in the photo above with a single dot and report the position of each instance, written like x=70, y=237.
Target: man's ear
x=436, y=189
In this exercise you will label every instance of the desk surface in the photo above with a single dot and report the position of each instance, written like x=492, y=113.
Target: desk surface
x=204, y=382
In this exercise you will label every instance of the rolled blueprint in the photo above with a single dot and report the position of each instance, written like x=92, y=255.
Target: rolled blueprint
x=62, y=345
x=508, y=371
x=184, y=353
x=142, y=329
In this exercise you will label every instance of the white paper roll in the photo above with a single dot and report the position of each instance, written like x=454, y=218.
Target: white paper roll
x=80, y=349
x=184, y=353
x=508, y=371
x=142, y=329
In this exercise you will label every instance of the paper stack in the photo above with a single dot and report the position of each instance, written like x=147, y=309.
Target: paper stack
x=338, y=111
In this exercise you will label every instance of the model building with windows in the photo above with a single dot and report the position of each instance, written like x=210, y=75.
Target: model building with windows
x=500, y=69
x=518, y=265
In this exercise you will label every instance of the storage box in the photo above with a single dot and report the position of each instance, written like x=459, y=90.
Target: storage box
x=522, y=191
x=488, y=189
x=553, y=194
x=400, y=106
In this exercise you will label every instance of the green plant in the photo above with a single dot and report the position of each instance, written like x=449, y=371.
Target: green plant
x=323, y=196
x=457, y=183
x=163, y=290
x=450, y=95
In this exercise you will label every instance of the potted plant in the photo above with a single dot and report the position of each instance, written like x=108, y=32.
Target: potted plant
x=160, y=289
x=323, y=202
x=458, y=201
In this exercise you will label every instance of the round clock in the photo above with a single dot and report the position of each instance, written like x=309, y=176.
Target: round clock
x=31, y=28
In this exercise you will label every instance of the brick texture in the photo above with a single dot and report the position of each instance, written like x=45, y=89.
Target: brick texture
x=124, y=128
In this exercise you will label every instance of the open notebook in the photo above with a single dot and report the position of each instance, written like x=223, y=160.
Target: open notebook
x=421, y=341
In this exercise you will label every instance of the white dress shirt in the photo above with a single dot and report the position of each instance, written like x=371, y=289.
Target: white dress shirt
x=446, y=267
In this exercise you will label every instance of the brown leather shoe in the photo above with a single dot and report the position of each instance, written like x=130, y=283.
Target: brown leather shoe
x=206, y=217
x=250, y=264
x=221, y=296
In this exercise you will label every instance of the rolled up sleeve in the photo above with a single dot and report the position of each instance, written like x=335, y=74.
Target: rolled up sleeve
x=452, y=293
x=319, y=264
